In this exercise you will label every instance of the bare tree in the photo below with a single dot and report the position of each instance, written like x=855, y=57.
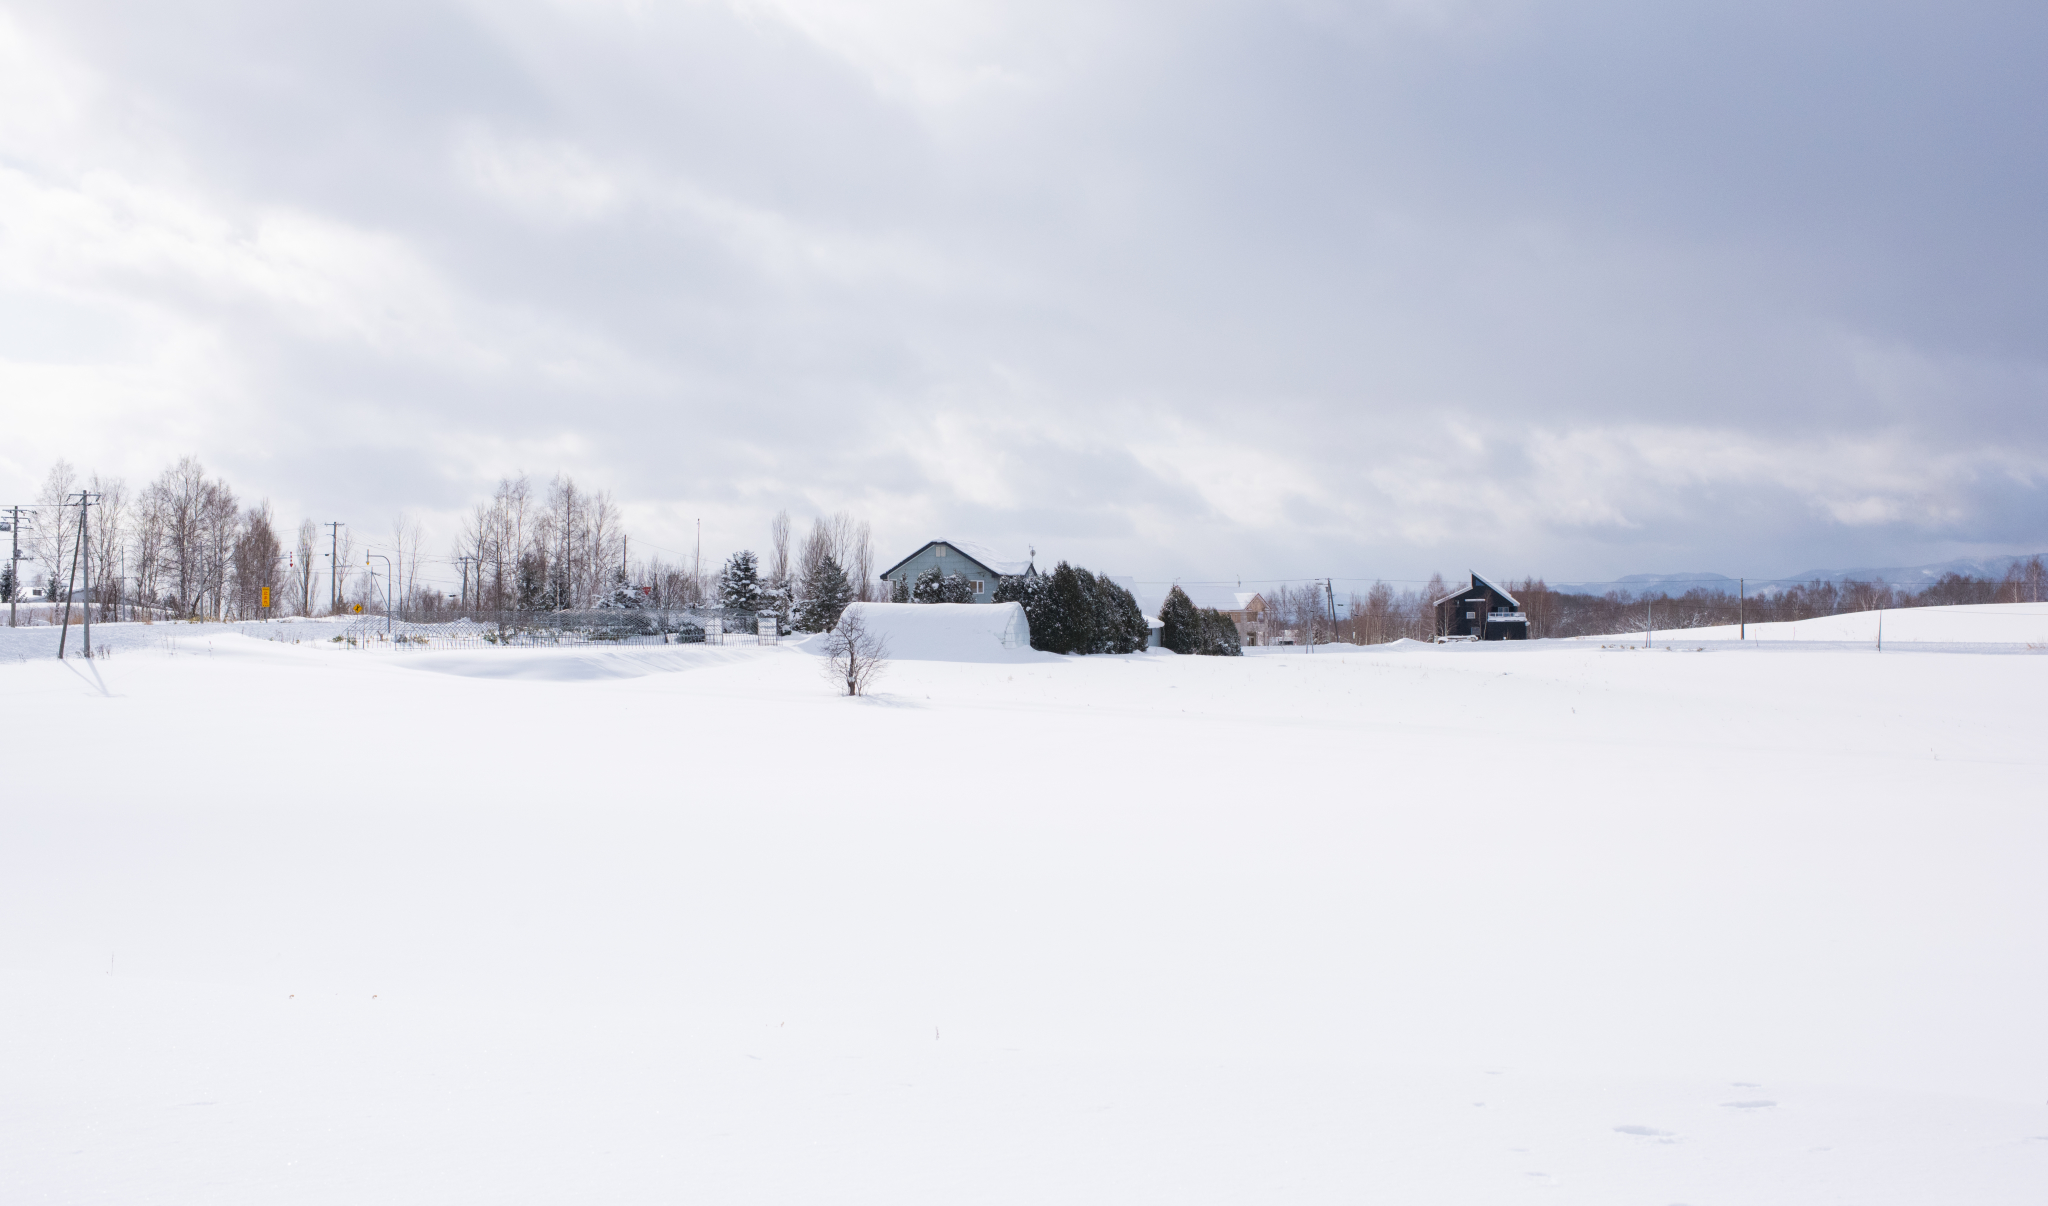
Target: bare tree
x=341, y=550
x=818, y=547
x=778, y=549
x=109, y=523
x=56, y=528
x=859, y=560
x=299, y=587
x=256, y=556
x=604, y=546
x=494, y=536
x=405, y=559
x=199, y=524
x=1427, y=625
x=855, y=656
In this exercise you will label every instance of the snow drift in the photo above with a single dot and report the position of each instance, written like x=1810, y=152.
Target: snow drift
x=947, y=632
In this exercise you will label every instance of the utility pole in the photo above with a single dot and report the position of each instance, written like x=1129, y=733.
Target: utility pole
x=387, y=586
x=334, y=567
x=85, y=542
x=81, y=549
x=466, y=559
x=1742, y=609
x=1330, y=592
x=13, y=561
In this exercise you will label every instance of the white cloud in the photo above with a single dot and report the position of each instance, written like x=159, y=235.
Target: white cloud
x=1267, y=285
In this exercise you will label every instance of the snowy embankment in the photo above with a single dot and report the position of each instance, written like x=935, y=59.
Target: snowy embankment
x=29, y=642
x=288, y=923
x=947, y=632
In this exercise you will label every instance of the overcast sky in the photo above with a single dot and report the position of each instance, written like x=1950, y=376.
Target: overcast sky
x=1195, y=289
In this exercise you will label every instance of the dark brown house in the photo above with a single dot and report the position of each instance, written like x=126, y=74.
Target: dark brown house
x=1480, y=611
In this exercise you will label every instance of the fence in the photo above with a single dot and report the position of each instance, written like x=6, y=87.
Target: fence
x=533, y=630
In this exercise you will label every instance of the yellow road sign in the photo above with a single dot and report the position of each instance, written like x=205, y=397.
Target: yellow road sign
x=266, y=596
x=358, y=609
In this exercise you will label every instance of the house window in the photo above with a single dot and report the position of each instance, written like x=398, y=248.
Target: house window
x=940, y=551
x=1468, y=615
x=980, y=585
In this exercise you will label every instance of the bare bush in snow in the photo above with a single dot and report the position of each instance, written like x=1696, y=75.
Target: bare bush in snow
x=854, y=656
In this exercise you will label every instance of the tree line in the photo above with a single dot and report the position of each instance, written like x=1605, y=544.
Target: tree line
x=807, y=588
x=1564, y=614
x=183, y=544
x=1383, y=614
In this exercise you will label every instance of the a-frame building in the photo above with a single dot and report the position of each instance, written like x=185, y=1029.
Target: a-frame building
x=1481, y=611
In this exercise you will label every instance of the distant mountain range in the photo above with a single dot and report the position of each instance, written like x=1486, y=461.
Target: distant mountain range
x=1912, y=576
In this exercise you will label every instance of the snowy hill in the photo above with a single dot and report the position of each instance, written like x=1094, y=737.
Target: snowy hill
x=2013, y=627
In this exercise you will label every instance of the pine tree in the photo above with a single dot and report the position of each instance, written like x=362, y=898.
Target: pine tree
x=1184, y=630
x=1067, y=613
x=899, y=590
x=936, y=586
x=826, y=594
x=1223, y=639
x=623, y=594
x=778, y=599
x=739, y=584
x=1031, y=593
x=531, y=591
x=1125, y=628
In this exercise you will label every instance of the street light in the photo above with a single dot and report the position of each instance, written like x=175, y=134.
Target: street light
x=387, y=587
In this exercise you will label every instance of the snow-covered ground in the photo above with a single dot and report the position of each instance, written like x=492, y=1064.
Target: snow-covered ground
x=1548, y=922
x=2010, y=625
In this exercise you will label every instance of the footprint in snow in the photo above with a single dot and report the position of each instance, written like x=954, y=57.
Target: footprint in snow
x=1748, y=1105
x=1648, y=1132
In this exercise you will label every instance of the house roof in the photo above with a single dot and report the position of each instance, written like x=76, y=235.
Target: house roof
x=972, y=552
x=1152, y=596
x=1472, y=582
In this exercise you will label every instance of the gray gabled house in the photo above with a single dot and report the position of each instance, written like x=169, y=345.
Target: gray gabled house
x=954, y=559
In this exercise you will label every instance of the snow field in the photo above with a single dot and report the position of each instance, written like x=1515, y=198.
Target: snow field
x=294, y=924
x=2002, y=624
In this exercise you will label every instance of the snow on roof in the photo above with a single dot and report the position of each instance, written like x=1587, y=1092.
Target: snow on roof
x=1151, y=596
x=973, y=552
x=1473, y=582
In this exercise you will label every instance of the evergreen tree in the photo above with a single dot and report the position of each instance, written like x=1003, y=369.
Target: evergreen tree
x=1091, y=630
x=1184, y=629
x=936, y=586
x=826, y=594
x=7, y=577
x=1031, y=593
x=1072, y=610
x=623, y=594
x=778, y=599
x=1124, y=627
x=739, y=584
x=899, y=590
x=1223, y=639
x=531, y=592
x=1067, y=613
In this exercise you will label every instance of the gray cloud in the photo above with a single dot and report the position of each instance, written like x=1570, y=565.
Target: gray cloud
x=1282, y=289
